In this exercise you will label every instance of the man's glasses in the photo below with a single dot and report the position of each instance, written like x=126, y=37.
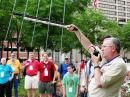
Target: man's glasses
x=104, y=46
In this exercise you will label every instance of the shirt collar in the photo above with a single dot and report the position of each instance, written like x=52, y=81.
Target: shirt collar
x=108, y=61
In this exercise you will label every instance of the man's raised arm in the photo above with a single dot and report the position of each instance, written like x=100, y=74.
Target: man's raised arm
x=82, y=38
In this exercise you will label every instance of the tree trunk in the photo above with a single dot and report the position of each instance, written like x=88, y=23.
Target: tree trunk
x=7, y=50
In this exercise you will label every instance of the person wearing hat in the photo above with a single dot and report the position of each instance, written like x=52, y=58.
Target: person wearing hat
x=62, y=69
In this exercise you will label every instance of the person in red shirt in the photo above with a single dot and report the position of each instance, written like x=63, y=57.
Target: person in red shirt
x=31, y=78
x=82, y=77
x=47, y=76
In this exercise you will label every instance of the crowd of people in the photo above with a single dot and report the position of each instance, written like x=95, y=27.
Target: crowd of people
x=100, y=76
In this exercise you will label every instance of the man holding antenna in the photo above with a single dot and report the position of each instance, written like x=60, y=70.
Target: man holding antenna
x=108, y=78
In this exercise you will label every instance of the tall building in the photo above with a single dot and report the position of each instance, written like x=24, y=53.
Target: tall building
x=118, y=10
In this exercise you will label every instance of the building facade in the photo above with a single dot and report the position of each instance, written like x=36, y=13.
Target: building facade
x=118, y=10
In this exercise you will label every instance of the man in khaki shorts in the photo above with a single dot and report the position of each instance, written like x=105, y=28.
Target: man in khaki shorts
x=31, y=78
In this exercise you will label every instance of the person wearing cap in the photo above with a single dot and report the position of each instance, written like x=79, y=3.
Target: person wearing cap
x=17, y=67
x=62, y=69
x=6, y=76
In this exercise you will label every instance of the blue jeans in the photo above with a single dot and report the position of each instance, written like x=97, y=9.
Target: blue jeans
x=15, y=84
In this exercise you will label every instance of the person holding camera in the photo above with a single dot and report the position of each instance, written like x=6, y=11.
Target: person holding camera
x=109, y=77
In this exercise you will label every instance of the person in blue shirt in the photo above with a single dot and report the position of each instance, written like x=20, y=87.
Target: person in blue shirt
x=6, y=75
x=62, y=69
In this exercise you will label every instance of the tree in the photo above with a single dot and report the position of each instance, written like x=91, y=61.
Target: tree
x=54, y=32
x=125, y=36
x=90, y=21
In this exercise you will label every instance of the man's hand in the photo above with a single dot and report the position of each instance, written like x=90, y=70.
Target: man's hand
x=53, y=82
x=95, y=59
x=72, y=28
x=27, y=64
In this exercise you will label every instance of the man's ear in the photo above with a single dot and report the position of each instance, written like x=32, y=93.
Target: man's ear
x=113, y=48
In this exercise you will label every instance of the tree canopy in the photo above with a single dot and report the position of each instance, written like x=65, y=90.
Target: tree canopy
x=92, y=23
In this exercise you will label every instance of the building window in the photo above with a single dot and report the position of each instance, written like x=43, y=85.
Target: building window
x=128, y=3
x=121, y=8
x=112, y=18
x=112, y=7
x=111, y=1
x=109, y=12
x=128, y=9
x=108, y=1
x=121, y=14
x=121, y=2
x=112, y=13
x=107, y=6
x=128, y=14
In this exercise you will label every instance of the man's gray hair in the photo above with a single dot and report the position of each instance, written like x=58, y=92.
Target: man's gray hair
x=117, y=44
